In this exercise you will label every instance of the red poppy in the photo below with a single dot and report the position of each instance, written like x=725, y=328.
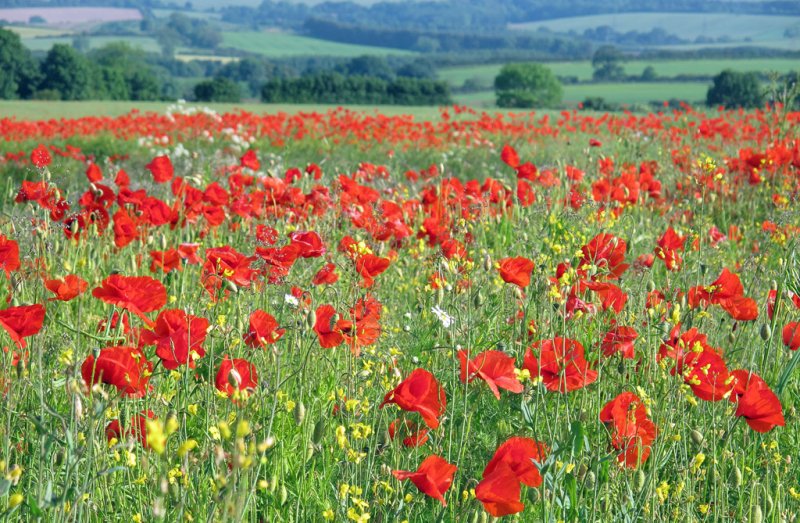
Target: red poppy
x=40, y=157
x=309, y=244
x=188, y=252
x=369, y=266
x=178, y=338
x=126, y=368
x=772, y=298
x=362, y=328
x=138, y=294
x=137, y=428
x=165, y=261
x=326, y=275
x=250, y=160
x=759, y=406
x=561, y=364
x=516, y=270
x=93, y=173
x=325, y=327
x=66, y=288
x=493, y=367
x=161, y=168
x=433, y=477
x=520, y=455
x=125, y=228
x=499, y=491
x=707, y=375
x=263, y=330
x=632, y=431
x=235, y=375
x=791, y=335
x=225, y=263
x=667, y=249
x=21, y=322
x=419, y=392
x=414, y=436
x=611, y=296
x=605, y=252
x=9, y=255
x=619, y=340
x=509, y=156
x=726, y=291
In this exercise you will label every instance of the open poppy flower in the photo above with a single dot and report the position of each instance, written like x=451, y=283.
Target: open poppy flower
x=620, y=340
x=756, y=403
x=22, y=321
x=165, y=261
x=309, y=244
x=9, y=255
x=561, y=364
x=325, y=327
x=326, y=275
x=606, y=253
x=791, y=335
x=788, y=296
x=263, y=330
x=493, y=367
x=433, y=477
x=369, y=266
x=236, y=375
x=178, y=338
x=726, y=291
x=632, y=432
x=250, y=160
x=499, y=491
x=667, y=249
x=161, y=169
x=66, y=288
x=225, y=263
x=40, y=157
x=138, y=294
x=419, y=392
x=137, y=428
x=516, y=271
x=125, y=368
x=413, y=435
x=520, y=455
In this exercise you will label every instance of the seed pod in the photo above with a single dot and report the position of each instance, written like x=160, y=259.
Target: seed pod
x=697, y=437
x=319, y=430
x=651, y=286
x=478, y=300
x=770, y=504
x=273, y=482
x=640, y=480
x=731, y=338
x=766, y=332
x=284, y=495
x=299, y=412
x=311, y=319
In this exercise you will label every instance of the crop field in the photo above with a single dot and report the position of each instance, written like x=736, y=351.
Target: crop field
x=689, y=26
x=346, y=315
x=277, y=44
x=45, y=43
x=485, y=74
x=69, y=16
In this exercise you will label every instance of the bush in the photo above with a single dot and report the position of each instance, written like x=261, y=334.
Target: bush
x=735, y=89
x=527, y=85
x=218, y=90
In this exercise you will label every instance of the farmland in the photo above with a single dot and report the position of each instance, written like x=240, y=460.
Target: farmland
x=343, y=315
x=277, y=44
x=69, y=16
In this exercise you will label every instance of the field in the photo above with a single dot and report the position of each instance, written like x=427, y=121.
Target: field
x=352, y=316
x=485, y=74
x=689, y=26
x=70, y=16
x=45, y=43
x=276, y=44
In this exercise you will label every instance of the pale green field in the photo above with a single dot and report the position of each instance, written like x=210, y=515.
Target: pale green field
x=684, y=25
x=34, y=32
x=44, y=44
x=276, y=44
x=45, y=110
x=485, y=74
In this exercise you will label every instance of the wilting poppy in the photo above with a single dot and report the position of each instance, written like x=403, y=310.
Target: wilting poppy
x=493, y=367
x=419, y=392
x=433, y=477
x=178, y=338
x=126, y=368
x=263, y=330
x=516, y=270
x=66, y=288
x=21, y=322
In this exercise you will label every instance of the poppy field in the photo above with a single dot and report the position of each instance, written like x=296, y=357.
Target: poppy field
x=347, y=316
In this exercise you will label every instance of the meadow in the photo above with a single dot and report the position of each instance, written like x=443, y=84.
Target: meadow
x=344, y=315
x=279, y=44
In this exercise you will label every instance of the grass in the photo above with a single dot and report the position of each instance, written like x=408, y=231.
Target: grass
x=44, y=44
x=45, y=110
x=277, y=44
x=485, y=74
x=187, y=57
x=689, y=26
x=36, y=32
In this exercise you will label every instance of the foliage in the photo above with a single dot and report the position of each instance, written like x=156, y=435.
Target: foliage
x=735, y=89
x=218, y=89
x=607, y=64
x=527, y=85
x=16, y=65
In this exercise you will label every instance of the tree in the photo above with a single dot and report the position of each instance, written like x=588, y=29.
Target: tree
x=16, y=65
x=607, y=64
x=735, y=89
x=67, y=71
x=218, y=89
x=527, y=85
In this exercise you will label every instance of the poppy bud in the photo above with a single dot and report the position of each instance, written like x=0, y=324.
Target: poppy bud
x=651, y=286
x=478, y=299
x=703, y=269
x=697, y=437
x=590, y=480
x=731, y=338
x=640, y=480
x=58, y=458
x=736, y=477
x=487, y=263
x=665, y=327
x=770, y=503
x=234, y=378
x=299, y=412
x=273, y=482
x=756, y=515
x=311, y=319
x=773, y=285
x=231, y=286
x=683, y=302
x=284, y=495
x=766, y=332
x=319, y=430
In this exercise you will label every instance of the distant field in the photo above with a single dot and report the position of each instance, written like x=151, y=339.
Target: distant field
x=44, y=44
x=484, y=74
x=35, y=32
x=188, y=57
x=164, y=13
x=688, y=26
x=43, y=110
x=70, y=16
x=623, y=93
x=275, y=44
